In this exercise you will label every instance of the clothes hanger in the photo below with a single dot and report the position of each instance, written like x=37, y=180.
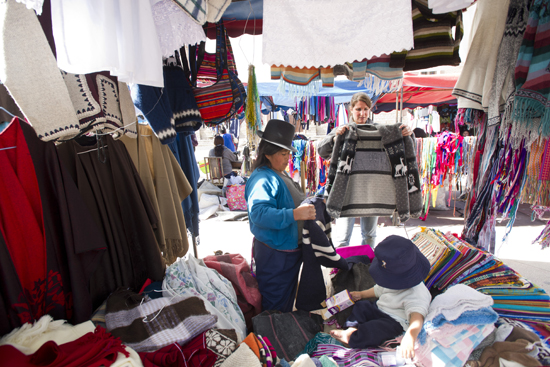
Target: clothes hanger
x=8, y=112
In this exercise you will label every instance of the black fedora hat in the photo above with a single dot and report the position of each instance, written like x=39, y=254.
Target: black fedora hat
x=398, y=264
x=278, y=132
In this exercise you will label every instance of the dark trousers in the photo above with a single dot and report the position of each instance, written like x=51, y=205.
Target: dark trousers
x=373, y=326
x=277, y=275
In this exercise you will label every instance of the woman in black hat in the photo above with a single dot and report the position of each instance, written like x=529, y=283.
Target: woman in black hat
x=275, y=217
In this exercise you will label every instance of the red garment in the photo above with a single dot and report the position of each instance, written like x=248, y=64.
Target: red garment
x=235, y=268
x=193, y=354
x=21, y=221
x=93, y=349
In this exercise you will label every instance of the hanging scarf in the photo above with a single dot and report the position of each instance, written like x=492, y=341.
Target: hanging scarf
x=532, y=73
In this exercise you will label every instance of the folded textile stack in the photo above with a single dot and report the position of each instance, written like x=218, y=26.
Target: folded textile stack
x=454, y=261
x=457, y=321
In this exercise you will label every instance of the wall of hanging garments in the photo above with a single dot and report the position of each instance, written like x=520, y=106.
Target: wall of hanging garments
x=306, y=162
x=443, y=161
x=97, y=214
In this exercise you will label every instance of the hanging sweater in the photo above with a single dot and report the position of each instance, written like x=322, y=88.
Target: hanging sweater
x=434, y=44
x=376, y=178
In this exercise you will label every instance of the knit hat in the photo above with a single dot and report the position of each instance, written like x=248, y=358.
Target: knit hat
x=278, y=132
x=398, y=264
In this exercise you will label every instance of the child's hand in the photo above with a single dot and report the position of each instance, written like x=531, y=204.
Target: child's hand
x=407, y=346
x=356, y=296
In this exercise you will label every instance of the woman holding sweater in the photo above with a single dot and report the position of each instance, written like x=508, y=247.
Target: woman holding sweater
x=360, y=109
x=276, y=218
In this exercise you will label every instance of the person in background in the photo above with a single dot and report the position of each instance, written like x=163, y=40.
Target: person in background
x=276, y=217
x=420, y=133
x=228, y=139
x=399, y=270
x=360, y=108
x=227, y=156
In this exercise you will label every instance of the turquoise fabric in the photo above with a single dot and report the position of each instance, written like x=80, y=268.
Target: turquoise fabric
x=270, y=210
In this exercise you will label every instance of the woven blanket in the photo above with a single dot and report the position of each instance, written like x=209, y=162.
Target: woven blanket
x=148, y=326
x=532, y=72
x=320, y=31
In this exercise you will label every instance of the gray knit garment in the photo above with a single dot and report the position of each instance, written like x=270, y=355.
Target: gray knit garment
x=369, y=190
x=503, y=81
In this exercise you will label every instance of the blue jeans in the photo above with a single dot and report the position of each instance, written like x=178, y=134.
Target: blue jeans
x=344, y=228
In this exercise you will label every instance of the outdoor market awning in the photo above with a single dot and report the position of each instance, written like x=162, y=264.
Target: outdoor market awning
x=421, y=91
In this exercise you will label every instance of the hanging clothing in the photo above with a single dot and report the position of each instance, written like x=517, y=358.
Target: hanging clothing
x=185, y=155
x=166, y=186
x=327, y=43
x=39, y=90
x=92, y=36
x=503, y=81
x=175, y=28
x=100, y=101
x=532, y=76
x=110, y=185
x=434, y=44
x=65, y=245
x=473, y=87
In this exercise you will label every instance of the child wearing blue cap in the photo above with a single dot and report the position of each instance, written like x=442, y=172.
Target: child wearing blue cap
x=398, y=269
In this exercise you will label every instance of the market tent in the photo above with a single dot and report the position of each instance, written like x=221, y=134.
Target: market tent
x=421, y=91
x=342, y=91
x=241, y=17
x=418, y=91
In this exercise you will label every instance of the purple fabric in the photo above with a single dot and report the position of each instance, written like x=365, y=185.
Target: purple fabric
x=349, y=251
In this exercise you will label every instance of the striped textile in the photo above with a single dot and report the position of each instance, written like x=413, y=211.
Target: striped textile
x=303, y=76
x=380, y=66
x=433, y=41
x=215, y=101
x=151, y=325
x=347, y=357
x=317, y=251
x=532, y=71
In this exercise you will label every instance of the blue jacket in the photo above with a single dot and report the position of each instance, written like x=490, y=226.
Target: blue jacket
x=270, y=210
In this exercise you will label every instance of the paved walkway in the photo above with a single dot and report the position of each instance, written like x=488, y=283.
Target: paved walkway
x=222, y=233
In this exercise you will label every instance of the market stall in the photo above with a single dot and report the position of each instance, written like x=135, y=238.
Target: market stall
x=98, y=212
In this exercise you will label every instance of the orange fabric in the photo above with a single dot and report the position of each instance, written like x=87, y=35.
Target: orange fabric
x=253, y=343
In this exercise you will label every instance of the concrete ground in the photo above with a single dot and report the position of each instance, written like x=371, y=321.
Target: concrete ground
x=233, y=236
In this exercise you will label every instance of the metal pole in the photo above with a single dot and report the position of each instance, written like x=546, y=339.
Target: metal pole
x=401, y=109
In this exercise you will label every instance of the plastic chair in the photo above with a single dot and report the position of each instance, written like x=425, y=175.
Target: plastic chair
x=214, y=170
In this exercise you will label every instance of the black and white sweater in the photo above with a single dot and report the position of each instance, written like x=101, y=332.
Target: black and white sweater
x=383, y=174
x=317, y=251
